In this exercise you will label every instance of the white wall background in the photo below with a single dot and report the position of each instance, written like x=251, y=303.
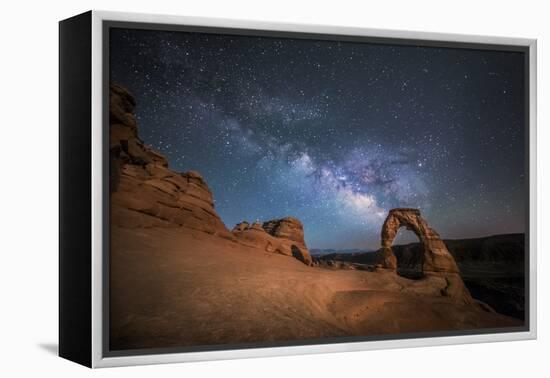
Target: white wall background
x=28, y=186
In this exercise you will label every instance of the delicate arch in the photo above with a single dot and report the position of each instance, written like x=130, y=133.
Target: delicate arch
x=436, y=257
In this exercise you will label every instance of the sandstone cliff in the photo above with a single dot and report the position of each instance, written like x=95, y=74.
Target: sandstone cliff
x=145, y=192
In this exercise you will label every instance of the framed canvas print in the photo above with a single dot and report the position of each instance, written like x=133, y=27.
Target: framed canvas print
x=234, y=189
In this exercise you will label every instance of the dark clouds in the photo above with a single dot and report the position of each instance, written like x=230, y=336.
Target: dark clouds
x=333, y=133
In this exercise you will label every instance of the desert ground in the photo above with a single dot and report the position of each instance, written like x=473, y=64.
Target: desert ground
x=174, y=287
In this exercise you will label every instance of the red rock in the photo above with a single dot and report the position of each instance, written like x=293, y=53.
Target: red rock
x=436, y=256
x=241, y=226
x=283, y=236
x=145, y=192
x=437, y=260
x=288, y=228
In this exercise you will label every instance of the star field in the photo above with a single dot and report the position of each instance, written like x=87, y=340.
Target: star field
x=335, y=133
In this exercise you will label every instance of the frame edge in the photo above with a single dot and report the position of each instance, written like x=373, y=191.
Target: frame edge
x=98, y=360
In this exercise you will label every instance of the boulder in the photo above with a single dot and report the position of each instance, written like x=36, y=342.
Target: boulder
x=241, y=226
x=283, y=236
x=288, y=228
x=257, y=226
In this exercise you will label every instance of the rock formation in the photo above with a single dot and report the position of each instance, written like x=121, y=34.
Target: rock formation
x=179, y=278
x=436, y=257
x=125, y=145
x=288, y=228
x=145, y=192
x=284, y=236
x=241, y=226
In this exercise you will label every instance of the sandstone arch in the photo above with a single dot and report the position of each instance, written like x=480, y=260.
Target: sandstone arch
x=436, y=257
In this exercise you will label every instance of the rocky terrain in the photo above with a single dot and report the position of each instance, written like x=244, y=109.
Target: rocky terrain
x=179, y=277
x=491, y=267
x=146, y=193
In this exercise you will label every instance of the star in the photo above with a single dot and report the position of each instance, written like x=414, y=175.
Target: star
x=334, y=133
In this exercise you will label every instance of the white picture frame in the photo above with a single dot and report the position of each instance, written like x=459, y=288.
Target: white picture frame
x=97, y=265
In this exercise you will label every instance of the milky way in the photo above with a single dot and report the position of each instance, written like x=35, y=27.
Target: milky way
x=335, y=133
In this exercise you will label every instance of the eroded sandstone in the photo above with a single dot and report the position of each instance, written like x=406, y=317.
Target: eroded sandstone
x=283, y=236
x=146, y=193
x=436, y=257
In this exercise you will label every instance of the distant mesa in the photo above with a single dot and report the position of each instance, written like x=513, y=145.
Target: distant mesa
x=146, y=193
x=284, y=236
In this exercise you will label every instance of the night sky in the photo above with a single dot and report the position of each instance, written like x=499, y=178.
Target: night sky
x=335, y=133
